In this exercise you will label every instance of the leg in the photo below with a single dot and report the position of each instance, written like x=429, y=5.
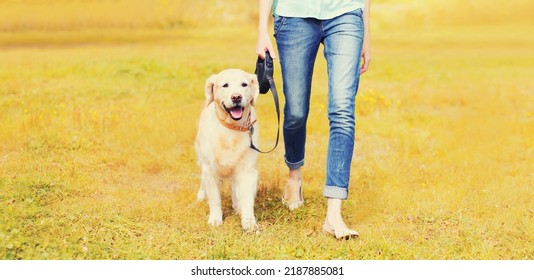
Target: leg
x=235, y=204
x=210, y=184
x=293, y=197
x=244, y=190
x=298, y=40
x=201, y=191
x=343, y=43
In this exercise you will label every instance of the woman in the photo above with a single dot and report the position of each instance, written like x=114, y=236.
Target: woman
x=342, y=26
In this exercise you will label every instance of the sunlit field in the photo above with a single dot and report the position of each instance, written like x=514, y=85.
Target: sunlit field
x=99, y=102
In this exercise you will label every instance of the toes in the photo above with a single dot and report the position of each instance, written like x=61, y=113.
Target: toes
x=249, y=225
x=347, y=234
x=215, y=221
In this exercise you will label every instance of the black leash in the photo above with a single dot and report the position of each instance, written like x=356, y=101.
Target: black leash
x=264, y=71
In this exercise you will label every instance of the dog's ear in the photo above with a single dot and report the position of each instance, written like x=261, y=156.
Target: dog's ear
x=254, y=85
x=209, y=90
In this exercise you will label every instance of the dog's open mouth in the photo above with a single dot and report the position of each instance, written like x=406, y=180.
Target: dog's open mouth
x=236, y=112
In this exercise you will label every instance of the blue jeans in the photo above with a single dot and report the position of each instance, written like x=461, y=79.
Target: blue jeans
x=298, y=41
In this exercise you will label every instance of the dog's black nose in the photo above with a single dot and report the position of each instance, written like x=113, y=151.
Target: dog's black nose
x=236, y=98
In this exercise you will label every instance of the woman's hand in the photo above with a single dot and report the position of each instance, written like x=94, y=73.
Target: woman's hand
x=366, y=56
x=264, y=44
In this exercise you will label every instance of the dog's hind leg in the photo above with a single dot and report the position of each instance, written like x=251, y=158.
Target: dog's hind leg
x=246, y=183
x=210, y=184
x=202, y=190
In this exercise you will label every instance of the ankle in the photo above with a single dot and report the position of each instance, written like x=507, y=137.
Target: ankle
x=295, y=174
x=333, y=207
x=333, y=212
x=294, y=187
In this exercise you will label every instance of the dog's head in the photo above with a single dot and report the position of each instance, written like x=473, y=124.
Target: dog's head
x=233, y=91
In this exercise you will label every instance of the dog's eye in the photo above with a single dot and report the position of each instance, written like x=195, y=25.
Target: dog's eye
x=244, y=84
x=225, y=85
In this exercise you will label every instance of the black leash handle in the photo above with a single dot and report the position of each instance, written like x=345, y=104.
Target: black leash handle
x=277, y=106
x=264, y=72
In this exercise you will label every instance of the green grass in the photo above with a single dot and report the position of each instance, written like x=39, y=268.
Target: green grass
x=97, y=158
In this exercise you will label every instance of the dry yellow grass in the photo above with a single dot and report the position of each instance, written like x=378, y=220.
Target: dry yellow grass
x=98, y=113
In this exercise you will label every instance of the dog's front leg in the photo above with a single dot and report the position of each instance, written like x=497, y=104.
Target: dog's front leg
x=246, y=183
x=210, y=183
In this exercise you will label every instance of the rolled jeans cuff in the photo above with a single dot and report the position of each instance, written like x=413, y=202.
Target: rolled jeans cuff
x=336, y=192
x=294, y=165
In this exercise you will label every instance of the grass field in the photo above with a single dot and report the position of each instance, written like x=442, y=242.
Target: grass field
x=99, y=108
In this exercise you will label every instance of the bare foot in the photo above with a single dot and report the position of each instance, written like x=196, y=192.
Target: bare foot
x=334, y=223
x=293, y=192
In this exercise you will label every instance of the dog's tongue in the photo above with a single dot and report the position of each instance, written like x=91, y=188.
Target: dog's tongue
x=237, y=112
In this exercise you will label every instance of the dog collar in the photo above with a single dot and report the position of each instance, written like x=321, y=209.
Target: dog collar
x=243, y=128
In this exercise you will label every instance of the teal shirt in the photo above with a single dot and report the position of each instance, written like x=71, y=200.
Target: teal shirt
x=319, y=9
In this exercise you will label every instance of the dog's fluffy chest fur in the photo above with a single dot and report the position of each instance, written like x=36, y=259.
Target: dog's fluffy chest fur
x=230, y=150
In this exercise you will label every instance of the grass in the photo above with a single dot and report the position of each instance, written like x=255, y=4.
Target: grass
x=97, y=123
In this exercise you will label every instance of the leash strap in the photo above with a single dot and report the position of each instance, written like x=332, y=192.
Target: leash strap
x=276, y=104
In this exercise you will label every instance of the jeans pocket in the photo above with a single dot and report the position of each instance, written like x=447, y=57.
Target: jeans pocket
x=278, y=23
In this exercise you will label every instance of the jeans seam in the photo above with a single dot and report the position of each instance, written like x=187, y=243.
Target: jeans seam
x=282, y=21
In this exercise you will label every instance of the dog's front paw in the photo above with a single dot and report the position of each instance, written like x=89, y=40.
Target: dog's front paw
x=215, y=220
x=250, y=225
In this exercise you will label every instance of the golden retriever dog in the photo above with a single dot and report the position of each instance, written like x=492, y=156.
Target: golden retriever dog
x=223, y=144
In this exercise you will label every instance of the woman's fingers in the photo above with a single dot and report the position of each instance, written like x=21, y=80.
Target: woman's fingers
x=366, y=60
x=264, y=44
